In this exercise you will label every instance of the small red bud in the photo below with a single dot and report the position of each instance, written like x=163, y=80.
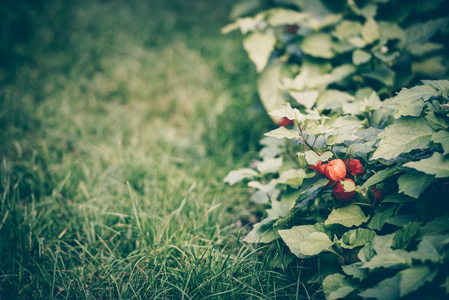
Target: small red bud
x=377, y=193
x=339, y=192
x=354, y=167
x=285, y=122
x=336, y=170
x=292, y=29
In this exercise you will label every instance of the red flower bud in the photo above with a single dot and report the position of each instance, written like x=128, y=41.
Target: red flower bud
x=377, y=193
x=336, y=170
x=292, y=28
x=285, y=122
x=339, y=191
x=319, y=167
x=354, y=167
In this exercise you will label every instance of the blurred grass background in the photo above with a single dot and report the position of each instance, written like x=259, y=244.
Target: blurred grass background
x=119, y=120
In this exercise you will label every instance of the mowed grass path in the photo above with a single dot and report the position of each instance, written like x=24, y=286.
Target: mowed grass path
x=119, y=121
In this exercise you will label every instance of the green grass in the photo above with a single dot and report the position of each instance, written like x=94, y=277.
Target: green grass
x=119, y=121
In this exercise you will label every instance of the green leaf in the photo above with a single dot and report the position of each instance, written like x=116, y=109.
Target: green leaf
x=330, y=99
x=403, y=136
x=413, y=278
x=259, y=47
x=348, y=216
x=389, y=259
x=268, y=88
x=270, y=165
x=425, y=48
x=413, y=109
x=442, y=137
x=387, y=289
x=238, y=175
x=436, y=165
x=360, y=57
x=293, y=177
x=283, y=132
x=437, y=121
x=380, y=176
x=280, y=17
x=432, y=67
x=355, y=271
x=421, y=32
x=370, y=31
x=366, y=253
x=414, y=183
x=420, y=92
x=347, y=29
x=336, y=286
x=306, y=240
x=390, y=30
x=377, y=221
x=307, y=98
x=312, y=158
x=402, y=220
x=286, y=111
x=403, y=236
x=262, y=232
x=318, y=45
x=382, y=74
x=356, y=238
x=445, y=285
x=435, y=226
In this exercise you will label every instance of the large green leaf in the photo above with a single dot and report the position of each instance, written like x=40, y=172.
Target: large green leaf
x=318, y=45
x=377, y=221
x=347, y=216
x=270, y=165
x=307, y=98
x=263, y=232
x=403, y=136
x=355, y=271
x=259, y=47
x=421, y=32
x=381, y=176
x=437, y=165
x=336, y=286
x=414, y=183
x=388, y=259
x=268, y=88
x=408, y=96
x=387, y=289
x=403, y=236
x=360, y=57
x=283, y=132
x=280, y=17
x=413, y=278
x=370, y=31
x=240, y=174
x=356, y=238
x=306, y=239
x=442, y=137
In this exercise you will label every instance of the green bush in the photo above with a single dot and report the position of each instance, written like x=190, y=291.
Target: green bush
x=356, y=171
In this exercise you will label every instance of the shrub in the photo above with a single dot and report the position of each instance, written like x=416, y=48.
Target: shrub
x=359, y=173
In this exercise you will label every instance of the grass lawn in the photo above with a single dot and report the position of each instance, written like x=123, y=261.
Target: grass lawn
x=119, y=120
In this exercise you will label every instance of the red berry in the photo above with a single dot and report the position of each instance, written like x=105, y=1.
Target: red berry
x=336, y=170
x=354, y=167
x=339, y=191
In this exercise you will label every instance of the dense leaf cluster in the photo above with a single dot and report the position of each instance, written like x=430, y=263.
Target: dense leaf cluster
x=332, y=71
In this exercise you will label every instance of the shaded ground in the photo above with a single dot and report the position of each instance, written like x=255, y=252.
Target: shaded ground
x=119, y=120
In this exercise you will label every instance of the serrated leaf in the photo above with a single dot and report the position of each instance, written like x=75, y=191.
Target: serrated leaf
x=442, y=137
x=387, y=289
x=413, y=278
x=356, y=238
x=307, y=98
x=286, y=111
x=259, y=47
x=403, y=236
x=413, y=109
x=437, y=165
x=366, y=253
x=380, y=176
x=318, y=45
x=370, y=31
x=268, y=88
x=403, y=136
x=238, y=175
x=270, y=165
x=283, y=132
x=421, y=32
x=336, y=286
x=420, y=92
x=437, y=121
x=306, y=240
x=348, y=216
